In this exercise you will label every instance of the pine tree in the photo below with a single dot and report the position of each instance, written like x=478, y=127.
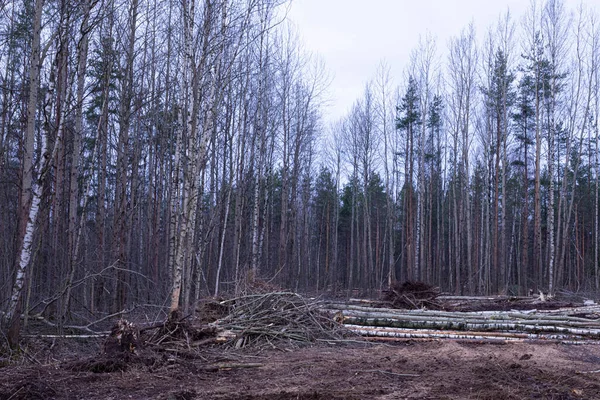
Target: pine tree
x=408, y=123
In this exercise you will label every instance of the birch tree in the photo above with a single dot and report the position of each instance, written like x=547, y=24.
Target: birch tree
x=30, y=193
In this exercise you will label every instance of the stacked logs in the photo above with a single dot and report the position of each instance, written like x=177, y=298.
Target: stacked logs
x=575, y=325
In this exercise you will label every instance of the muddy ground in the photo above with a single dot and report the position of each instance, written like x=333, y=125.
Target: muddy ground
x=443, y=369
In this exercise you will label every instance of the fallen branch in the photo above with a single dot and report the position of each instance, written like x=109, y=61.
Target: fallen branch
x=84, y=328
x=229, y=366
x=390, y=373
x=91, y=336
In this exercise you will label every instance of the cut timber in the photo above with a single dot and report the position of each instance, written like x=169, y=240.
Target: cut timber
x=449, y=334
x=568, y=325
x=494, y=316
x=92, y=336
x=484, y=340
x=382, y=319
x=558, y=312
x=468, y=326
x=482, y=298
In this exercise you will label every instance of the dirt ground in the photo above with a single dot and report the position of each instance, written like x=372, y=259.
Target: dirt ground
x=442, y=369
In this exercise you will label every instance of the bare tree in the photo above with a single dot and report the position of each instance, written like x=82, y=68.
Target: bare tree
x=385, y=120
x=462, y=68
x=30, y=196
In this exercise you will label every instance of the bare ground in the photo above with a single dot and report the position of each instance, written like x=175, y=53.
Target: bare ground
x=443, y=369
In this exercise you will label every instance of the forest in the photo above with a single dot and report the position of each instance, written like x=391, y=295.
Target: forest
x=158, y=152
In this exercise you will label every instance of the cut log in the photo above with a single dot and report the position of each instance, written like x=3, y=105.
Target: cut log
x=571, y=324
x=468, y=326
x=564, y=321
x=484, y=340
x=371, y=312
x=450, y=334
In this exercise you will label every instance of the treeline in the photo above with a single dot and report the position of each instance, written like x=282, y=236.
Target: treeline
x=489, y=161
x=491, y=165
x=159, y=151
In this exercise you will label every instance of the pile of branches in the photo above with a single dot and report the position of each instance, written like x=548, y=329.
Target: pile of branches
x=253, y=319
x=212, y=309
x=261, y=319
x=412, y=295
x=185, y=331
x=269, y=317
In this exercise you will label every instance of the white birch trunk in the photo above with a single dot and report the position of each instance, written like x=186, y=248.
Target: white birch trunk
x=31, y=194
x=25, y=254
x=179, y=239
x=26, y=247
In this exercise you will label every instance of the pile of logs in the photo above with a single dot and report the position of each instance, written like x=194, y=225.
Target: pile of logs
x=574, y=325
x=502, y=303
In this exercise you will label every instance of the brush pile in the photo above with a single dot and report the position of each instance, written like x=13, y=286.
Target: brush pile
x=262, y=319
x=269, y=317
x=254, y=319
x=412, y=295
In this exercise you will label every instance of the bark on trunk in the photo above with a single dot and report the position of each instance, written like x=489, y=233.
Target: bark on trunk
x=30, y=194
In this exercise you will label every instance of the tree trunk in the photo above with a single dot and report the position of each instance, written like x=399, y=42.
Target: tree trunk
x=74, y=233
x=30, y=194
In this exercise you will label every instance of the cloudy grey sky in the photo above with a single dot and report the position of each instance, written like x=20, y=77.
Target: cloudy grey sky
x=354, y=36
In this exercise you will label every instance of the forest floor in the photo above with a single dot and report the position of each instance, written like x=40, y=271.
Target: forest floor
x=433, y=369
x=283, y=346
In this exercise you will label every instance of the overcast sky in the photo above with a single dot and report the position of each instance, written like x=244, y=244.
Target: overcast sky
x=354, y=36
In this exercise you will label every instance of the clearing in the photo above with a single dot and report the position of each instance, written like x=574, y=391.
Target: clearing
x=283, y=346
